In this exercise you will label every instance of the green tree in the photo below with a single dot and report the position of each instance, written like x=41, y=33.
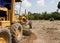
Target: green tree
x=55, y=15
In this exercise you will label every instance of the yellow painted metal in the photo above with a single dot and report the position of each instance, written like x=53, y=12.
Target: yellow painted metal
x=12, y=11
x=4, y=23
x=3, y=9
x=12, y=15
x=3, y=38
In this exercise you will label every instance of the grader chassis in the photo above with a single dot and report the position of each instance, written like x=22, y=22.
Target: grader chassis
x=10, y=30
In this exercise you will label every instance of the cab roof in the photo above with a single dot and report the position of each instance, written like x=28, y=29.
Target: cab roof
x=18, y=0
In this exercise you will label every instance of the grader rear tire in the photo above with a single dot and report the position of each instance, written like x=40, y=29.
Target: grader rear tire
x=16, y=32
x=5, y=36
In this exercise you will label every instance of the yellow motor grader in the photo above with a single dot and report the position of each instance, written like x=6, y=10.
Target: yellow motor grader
x=10, y=31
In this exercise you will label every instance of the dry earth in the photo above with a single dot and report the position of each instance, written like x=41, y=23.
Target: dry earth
x=45, y=31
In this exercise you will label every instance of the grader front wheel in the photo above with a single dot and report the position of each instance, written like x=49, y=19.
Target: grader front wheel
x=16, y=32
x=5, y=36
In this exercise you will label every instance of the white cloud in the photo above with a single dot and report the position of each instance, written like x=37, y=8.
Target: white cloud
x=22, y=10
x=52, y=1
x=17, y=8
x=26, y=4
x=41, y=2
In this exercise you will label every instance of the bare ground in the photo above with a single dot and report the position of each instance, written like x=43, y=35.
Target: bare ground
x=44, y=32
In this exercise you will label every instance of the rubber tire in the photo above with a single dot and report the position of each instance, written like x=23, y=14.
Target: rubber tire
x=27, y=32
x=30, y=24
x=13, y=31
x=4, y=30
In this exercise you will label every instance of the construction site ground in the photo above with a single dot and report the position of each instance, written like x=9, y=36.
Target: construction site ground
x=43, y=31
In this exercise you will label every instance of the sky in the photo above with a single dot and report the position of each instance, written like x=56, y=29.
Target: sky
x=37, y=6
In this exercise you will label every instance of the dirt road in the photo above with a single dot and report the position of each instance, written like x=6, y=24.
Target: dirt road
x=45, y=31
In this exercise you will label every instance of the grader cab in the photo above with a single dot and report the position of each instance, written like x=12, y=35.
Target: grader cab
x=4, y=18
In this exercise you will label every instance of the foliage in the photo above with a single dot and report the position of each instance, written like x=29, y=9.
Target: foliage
x=44, y=16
